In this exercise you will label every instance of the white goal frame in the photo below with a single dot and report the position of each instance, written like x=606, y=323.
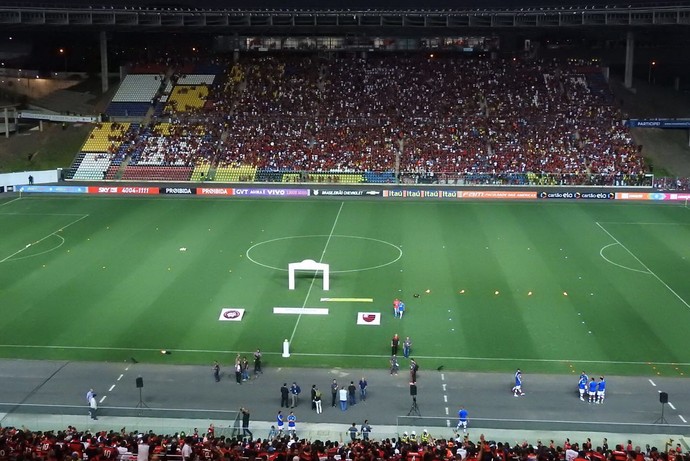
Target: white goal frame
x=309, y=265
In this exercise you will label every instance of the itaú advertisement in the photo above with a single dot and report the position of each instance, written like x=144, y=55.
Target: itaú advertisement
x=665, y=196
x=461, y=194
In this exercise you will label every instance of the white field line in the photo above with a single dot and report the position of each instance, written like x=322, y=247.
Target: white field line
x=304, y=354
x=47, y=236
x=313, y=279
x=645, y=266
x=7, y=203
x=601, y=253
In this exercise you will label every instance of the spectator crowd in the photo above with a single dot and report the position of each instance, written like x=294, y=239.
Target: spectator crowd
x=76, y=445
x=427, y=118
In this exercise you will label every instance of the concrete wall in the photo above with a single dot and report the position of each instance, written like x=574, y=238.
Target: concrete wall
x=20, y=179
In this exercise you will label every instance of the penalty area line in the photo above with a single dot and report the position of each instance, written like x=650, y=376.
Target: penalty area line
x=47, y=236
x=644, y=265
x=306, y=354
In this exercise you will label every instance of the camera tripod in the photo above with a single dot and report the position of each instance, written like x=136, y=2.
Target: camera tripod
x=414, y=409
x=141, y=405
x=661, y=419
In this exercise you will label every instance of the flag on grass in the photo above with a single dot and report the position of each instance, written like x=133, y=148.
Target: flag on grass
x=231, y=314
x=368, y=318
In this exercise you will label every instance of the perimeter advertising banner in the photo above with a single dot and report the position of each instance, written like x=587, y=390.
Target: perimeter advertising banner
x=53, y=189
x=411, y=193
x=576, y=195
x=123, y=190
x=433, y=193
x=178, y=190
x=221, y=191
x=345, y=192
x=262, y=192
x=652, y=196
x=499, y=194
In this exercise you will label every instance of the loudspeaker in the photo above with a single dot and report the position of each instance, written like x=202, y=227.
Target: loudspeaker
x=140, y=382
x=413, y=390
x=663, y=397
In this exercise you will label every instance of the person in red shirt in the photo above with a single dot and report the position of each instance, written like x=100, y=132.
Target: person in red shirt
x=110, y=451
x=394, y=344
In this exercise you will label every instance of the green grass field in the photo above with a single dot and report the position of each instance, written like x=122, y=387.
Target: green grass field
x=549, y=286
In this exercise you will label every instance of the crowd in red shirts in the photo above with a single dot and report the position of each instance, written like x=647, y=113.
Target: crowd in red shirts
x=75, y=445
x=449, y=118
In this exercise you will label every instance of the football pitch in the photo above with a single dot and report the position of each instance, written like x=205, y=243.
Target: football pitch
x=545, y=286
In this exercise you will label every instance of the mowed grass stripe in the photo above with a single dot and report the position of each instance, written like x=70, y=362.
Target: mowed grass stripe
x=136, y=302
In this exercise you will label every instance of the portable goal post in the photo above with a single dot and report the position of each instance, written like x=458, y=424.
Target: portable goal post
x=309, y=265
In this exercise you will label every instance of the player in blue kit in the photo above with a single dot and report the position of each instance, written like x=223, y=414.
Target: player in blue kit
x=592, y=390
x=582, y=386
x=601, y=390
x=517, y=389
x=292, y=424
x=280, y=423
x=462, y=420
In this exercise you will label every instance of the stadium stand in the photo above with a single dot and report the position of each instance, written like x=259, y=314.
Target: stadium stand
x=223, y=443
x=195, y=79
x=93, y=166
x=242, y=173
x=105, y=137
x=157, y=173
x=138, y=88
x=452, y=120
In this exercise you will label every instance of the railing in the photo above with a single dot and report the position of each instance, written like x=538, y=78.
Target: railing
x=529, y=179
x=440, y=425
x=456, y=179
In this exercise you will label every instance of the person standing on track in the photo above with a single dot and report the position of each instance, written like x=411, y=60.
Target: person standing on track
x=334, y=392
x=413, y=370
x=245, y=423
x=257, y=362
x=582, y=386
x=342, y=395
x=93, y=406
x=394, y=365
x=592, y=390
x=462, y=420
x=601, y=390
x=317, y=401
x=363, y=389
x=216, y=371
x=351, y=393
x=292, y=424
x=280, y=423
x=294, y=392
x=517, y=388
x=284, y=393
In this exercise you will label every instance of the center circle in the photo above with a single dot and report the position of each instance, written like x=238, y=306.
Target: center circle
x=348, y=251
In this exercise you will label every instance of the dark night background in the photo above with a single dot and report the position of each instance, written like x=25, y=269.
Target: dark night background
x=77, y=50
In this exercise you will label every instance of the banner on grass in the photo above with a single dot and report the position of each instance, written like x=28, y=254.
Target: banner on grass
x=231, y=314
x=368, y=318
